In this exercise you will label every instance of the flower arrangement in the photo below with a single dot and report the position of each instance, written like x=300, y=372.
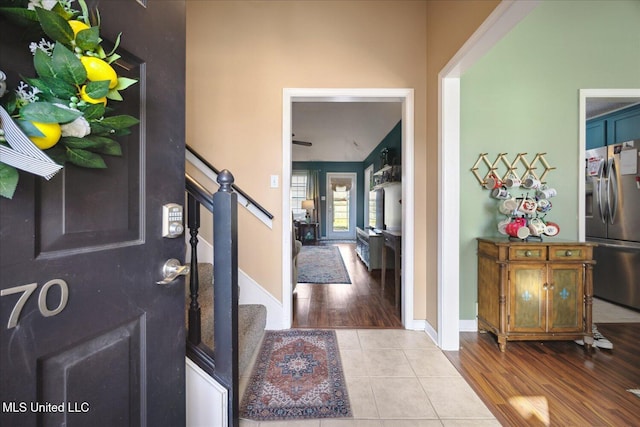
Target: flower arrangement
x=66, y=111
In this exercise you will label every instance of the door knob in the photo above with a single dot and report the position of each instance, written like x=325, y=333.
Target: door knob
x=171, y=270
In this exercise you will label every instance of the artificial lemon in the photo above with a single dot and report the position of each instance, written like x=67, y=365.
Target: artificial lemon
x=77, y=26
x=90, y=100
x=51, y=132
x=98, y=70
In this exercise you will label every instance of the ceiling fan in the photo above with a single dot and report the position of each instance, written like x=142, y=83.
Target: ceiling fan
x=303, y=143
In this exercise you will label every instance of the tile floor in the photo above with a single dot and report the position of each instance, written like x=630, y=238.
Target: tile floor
x=398, y=378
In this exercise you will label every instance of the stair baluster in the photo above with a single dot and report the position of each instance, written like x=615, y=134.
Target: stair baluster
x=193, y=208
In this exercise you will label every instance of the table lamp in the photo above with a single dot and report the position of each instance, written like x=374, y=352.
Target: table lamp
x=309, y=206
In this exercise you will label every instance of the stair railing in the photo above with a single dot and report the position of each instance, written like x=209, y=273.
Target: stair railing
x=222, y=362
x=246, y=201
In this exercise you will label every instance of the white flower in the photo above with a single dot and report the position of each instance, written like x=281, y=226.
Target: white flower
x=44, y=45
x=26, y=94
x=45, y=4
x=78, y=128
x=3, y=84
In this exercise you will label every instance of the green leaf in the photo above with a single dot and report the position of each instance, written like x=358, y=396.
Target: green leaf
x=60, y=10
x=8, y=180
x=115, y=46
x=107, y=145
x=46, y=112
x=67, y=66
x=85, y=11
x=58, y=154
x=10, y=102
x=97, y=90
x=88, y=39
x=120, y=122
x=84, y=143
x=112, y=148
x=19, y=13
x=85, y=159
x=55, y=26
x=43, y=64
x=124, y=82
x=94, y=111
x=28, y=128
x=112, y=58
x=114, y=95
x=120, y=132
x=100, y=52
x=53, y=87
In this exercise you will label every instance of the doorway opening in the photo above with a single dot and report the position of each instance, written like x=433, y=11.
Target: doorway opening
x=405, y=98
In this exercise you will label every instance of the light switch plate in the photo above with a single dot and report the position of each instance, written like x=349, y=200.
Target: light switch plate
x=274, y=181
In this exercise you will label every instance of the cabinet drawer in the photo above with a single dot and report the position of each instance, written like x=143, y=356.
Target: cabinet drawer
x=528, y=253
x=568, y=253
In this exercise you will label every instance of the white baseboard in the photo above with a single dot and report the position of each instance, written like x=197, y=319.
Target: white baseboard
x=416, y=325
x=250, y=291
x=469, y=325
x=206, y=400
x=431, y=332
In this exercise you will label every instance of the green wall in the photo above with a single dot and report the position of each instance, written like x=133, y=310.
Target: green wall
x=522, y=97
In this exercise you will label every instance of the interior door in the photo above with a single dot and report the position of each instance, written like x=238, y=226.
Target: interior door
x=341, y=205
x=94, y=340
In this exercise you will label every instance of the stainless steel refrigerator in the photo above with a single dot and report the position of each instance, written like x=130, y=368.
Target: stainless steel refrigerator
x=613, y=221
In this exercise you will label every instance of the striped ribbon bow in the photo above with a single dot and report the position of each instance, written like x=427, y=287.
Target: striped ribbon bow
x=23, y=154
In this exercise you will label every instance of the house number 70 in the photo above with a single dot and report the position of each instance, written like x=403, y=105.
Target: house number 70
x=27, y=290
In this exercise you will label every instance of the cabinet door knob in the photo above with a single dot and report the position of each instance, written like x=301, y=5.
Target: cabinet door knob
x=545, y=286
x=528, y=253
x=568, y=253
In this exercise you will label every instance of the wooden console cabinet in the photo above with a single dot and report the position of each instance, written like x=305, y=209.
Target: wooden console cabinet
x=535, y=290
x=369, y=248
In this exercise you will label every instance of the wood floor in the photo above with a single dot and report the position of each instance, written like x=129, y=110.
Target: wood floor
x=555, y=383
x=360, y=304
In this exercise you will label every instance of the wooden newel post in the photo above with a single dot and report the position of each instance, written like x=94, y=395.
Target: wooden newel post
x=225, y=255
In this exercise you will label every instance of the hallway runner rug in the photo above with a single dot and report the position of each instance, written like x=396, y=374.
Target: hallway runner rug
x=297, y=375
x=321, y=265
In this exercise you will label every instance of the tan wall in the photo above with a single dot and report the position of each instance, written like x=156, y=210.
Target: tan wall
x=240, y=56
x=449, y=25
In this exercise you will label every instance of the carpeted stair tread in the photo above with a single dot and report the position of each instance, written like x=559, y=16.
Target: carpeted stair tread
x=252, y=318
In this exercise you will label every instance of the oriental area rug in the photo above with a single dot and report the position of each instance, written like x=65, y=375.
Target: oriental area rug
x=321, y=265
x=297, y=375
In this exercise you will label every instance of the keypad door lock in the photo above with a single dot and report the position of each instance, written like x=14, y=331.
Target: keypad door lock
x=172, y=220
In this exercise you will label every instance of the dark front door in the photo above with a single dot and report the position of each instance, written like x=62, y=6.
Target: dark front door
x=87, y=336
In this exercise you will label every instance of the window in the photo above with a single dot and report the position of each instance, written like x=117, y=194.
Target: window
x=341, y=209
x=298, y=194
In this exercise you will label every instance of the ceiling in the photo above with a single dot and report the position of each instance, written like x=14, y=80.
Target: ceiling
x=349, y=131
x=598, y=106
x=341, y=131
